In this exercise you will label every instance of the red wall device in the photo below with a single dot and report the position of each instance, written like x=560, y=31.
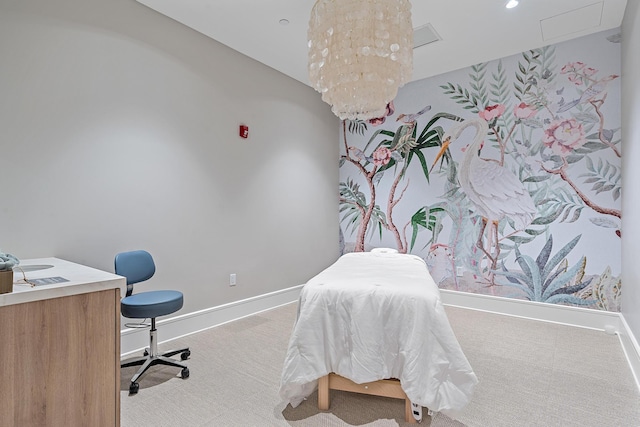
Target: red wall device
x=244, y=131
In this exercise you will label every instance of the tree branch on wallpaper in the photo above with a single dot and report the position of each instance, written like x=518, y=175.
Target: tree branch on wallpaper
x=562, y=171
x=366, y=213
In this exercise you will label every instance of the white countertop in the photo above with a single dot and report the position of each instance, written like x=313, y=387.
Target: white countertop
x=81, y=279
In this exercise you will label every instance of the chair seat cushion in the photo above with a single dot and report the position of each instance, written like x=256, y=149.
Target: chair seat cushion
x=151, y=304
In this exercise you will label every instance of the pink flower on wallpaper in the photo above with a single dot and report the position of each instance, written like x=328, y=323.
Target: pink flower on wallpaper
x=578, y=72
x=575, y=79
x=380, y=120
x=572, y=67
x=524, y=111
x=589, y=71
x=381, y=156
x=491, y=112
x=563, y=136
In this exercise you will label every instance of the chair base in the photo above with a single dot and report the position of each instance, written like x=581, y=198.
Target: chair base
x=152, y=357
x=150, y=360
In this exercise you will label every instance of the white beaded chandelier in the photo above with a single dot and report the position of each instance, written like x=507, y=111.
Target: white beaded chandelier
x=360, y=53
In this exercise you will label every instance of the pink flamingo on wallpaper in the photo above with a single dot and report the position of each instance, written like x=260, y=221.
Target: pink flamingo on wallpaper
x=494, y=190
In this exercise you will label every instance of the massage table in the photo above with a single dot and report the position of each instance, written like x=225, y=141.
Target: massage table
x=373, y=323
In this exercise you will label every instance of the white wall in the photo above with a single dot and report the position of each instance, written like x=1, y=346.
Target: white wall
x=631, y=172
x=119, y=131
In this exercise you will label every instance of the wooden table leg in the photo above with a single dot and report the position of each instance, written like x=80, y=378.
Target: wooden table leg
x=408, y=413
x=323, y=393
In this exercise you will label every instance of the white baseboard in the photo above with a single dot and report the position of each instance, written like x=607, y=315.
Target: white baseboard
x=631, y=349
x=135, y=340
x=607, y=321
x=563, y=314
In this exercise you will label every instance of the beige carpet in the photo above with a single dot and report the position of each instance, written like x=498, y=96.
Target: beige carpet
x=532, y=374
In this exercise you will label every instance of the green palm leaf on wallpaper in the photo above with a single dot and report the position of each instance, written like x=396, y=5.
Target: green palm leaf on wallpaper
x=353, y=204
x=426, y=218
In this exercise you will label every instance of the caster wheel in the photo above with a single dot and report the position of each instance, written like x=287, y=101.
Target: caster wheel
x=185, y=355
x=185, y=373
x=133, y=388
x=146, y=353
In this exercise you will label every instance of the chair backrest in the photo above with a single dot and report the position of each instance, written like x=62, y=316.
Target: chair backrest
x=136, y=266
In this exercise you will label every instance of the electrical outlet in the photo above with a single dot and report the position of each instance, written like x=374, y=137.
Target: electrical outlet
x=459, y=271
x=232, y=279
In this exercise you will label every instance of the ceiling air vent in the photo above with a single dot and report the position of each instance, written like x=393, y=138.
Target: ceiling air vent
x=424, y=35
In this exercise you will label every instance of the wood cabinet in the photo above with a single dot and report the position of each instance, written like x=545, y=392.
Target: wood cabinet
x=60, y=360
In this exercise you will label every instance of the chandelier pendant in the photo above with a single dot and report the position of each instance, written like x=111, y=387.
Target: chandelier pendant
x=360, y=53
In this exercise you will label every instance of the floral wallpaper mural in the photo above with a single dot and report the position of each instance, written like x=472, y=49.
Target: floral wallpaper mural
x=505, y=176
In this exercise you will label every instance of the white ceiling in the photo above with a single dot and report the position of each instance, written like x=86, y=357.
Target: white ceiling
x=471, y=31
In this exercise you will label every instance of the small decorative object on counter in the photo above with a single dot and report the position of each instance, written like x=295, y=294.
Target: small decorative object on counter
x=7, y=262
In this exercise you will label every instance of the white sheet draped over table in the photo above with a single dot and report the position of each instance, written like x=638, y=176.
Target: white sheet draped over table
x=373, y=316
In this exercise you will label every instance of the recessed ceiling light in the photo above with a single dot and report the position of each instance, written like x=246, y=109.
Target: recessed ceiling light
x=511, y=4
x=284, y=21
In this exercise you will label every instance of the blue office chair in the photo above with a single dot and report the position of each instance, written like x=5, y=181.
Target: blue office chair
x=138, y=266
